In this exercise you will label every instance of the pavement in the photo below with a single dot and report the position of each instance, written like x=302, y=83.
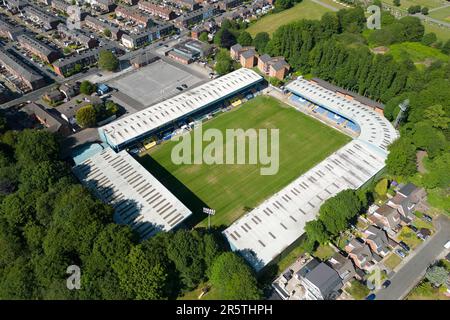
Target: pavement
x=407, y=277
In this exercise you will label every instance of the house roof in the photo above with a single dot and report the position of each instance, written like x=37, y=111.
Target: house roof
x=39, y=111
x=343, y=266
x=248, y=53
x=236, y=47
x=14, y=63
x=70, y=108
x=408, y=189
x=325, y=278
x=144, y=58
x=265, y=58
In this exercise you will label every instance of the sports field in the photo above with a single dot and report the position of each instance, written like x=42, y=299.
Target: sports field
x=234, y=189
x=306, y=9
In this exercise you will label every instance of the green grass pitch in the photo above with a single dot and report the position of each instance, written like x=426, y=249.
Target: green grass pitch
x=234, y=189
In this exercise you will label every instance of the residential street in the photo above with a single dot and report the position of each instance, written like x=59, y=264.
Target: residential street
x=412, y=272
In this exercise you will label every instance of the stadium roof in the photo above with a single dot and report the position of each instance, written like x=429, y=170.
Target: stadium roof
x=155, y=116
x=266, y=231
x=138, y=198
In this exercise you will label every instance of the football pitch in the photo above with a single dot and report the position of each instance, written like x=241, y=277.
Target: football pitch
x=235, y=189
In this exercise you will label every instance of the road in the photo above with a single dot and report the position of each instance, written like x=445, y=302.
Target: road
x=430, y=19
x=412, y=272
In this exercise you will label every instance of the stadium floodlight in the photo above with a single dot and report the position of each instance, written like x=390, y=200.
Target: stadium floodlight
x=209, y=212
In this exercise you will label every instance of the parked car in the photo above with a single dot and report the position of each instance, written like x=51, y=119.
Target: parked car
x=184, y=85
x=179, y=88
x=427, y=218
x=401, y=253
x=404, y=246
x=386, y=284
x=413, y=228
x=371, y=296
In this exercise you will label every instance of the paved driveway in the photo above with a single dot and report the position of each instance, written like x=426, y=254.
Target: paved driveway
x=412, y=272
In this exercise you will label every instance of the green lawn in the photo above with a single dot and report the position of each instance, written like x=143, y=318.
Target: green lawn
x=416, y=51
x=357, y=290
x=409, y=237
x=234, y=189
x=405, y=4
x=324, y=252
x=441, y=14
x=392, y=261
x=425, y=291
x=442, y=33
x=304, y=10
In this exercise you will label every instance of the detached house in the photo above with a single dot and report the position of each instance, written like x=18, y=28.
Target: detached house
x=385, y=216
x=408, y=199
x=319, y=281
x=377, y=240
x=343, y=266
x=360, y=253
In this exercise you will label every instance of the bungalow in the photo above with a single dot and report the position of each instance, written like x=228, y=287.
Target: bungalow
x=143, y=59
x=377, y=240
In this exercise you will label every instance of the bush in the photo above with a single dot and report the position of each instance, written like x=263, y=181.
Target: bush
x=86, y=116
x=107, y=61
x=87, y=87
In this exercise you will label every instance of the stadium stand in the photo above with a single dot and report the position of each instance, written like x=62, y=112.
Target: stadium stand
x=266, y=231
x=125, y=131
x=138, y=198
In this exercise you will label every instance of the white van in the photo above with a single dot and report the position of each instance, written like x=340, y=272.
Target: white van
x=447, y=245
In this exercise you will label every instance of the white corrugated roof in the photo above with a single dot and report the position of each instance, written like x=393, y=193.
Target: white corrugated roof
x=157, y=115
x=138, y=198
x=270, y=228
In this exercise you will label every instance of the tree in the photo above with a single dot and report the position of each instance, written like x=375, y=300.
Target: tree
x=86, y=116
x=224, y=63
x=87, y=87
x=429, y=38
x=224, y=38
x=437, y=116
x=315, y=231
x=107, y=61
x=397, y=3
x=436, y=275
x=35, y=146
x=446, y=47
x=203, y=37
x=337, y=212
x=438, y=174
x=245, y=39
x=424, y=11
x=233, y=278
x=107, y=33
x=142, y=276
x=401, y=160
x=381, y=187
x=260, y=41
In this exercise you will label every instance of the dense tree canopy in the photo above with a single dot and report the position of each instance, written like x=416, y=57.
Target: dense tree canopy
x=107, y=61
x=233, y=278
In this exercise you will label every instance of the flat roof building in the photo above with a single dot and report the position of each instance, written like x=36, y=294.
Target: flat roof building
x=138, y=198
x=140, y=124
